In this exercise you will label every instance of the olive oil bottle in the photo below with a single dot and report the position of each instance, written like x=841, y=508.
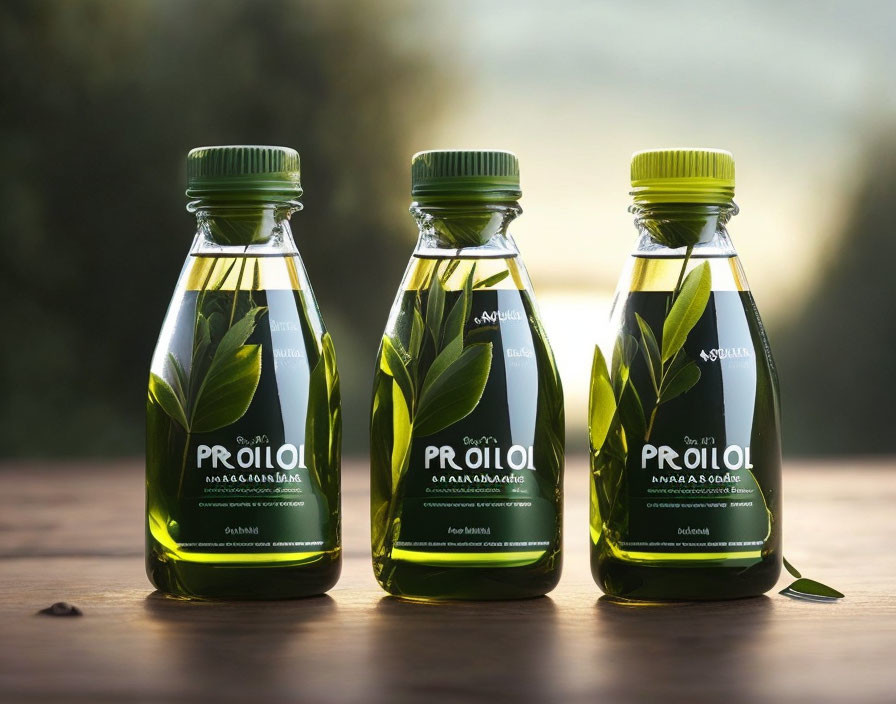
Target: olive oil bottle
x=684, y=409
x=467, y=428
x=243, y=417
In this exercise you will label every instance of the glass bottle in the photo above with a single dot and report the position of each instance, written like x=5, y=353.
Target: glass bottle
x=467, y=429
x=243, y=417
x=684, y=410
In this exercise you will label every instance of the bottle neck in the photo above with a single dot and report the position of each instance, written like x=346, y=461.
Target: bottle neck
x=668, y=228
x=244, y=223
x=465, y=229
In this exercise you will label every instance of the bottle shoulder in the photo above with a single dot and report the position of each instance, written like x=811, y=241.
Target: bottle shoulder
x=454, y=273
x=222, y=287
x=649, y=272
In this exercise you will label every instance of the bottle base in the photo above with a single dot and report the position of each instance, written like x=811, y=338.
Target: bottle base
x=235, y=581
x=417, y=582
x=634, y=582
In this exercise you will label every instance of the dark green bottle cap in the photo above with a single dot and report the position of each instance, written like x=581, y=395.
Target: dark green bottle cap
x=219, y=172
x=486, y=175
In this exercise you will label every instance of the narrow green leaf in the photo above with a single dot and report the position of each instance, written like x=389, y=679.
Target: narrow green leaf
x=444, y=359
x=492, y=280
x=651, y=352
x=381, y=433
x=594, y=522
x=681, y=382
x=217, y=325
x=454, y=324
x=456, y=392
x=468, y=292
x=329, y=354
x=811, y=590
x=215, y=286
x=256, y=280
x=676, y=363
x=228, y=389
x=230, y=349
x=323, y=429
x=334, y=398
x=631, y=414
x=794, y=572
x=435, y=309
x=624, y=352
x=180, y=379
x=317, y=422
x=460, y=311
x=599, y=365
x=417, y=328
x=238, y=333
x=450, y=269
x=601, y=401
x=401, y=433
x=202, y=339
x=200, y=361
x=378, y=528
x=164, y=395
x=335, y=450
x=393, y=364
x=402, y=352
x=687, y=309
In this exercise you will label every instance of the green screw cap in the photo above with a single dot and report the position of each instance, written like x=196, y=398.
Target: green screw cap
x=486, y=175
x=682, y=176
x=219, y=172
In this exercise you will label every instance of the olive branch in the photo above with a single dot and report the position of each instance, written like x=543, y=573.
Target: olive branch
x=431, y=380
x=218, y=384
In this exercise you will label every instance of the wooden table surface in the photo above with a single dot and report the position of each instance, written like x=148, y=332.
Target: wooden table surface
x=74, y=532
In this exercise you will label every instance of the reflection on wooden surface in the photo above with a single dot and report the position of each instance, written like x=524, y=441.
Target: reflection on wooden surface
x=74, y=533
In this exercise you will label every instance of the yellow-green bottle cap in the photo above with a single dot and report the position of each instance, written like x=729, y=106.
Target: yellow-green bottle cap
x=683, y=176
x=234, y=170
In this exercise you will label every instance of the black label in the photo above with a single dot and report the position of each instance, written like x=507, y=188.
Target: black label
x=253, y=486
x=694, y=483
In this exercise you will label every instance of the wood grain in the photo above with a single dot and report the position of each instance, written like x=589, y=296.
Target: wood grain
x=74, y=532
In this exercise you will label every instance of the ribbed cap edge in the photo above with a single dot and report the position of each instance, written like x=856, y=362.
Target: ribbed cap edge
x=481, y=173
x=255, y=168
x=688, y=175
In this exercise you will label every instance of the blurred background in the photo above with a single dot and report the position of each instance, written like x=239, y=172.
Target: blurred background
x=102, y=99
